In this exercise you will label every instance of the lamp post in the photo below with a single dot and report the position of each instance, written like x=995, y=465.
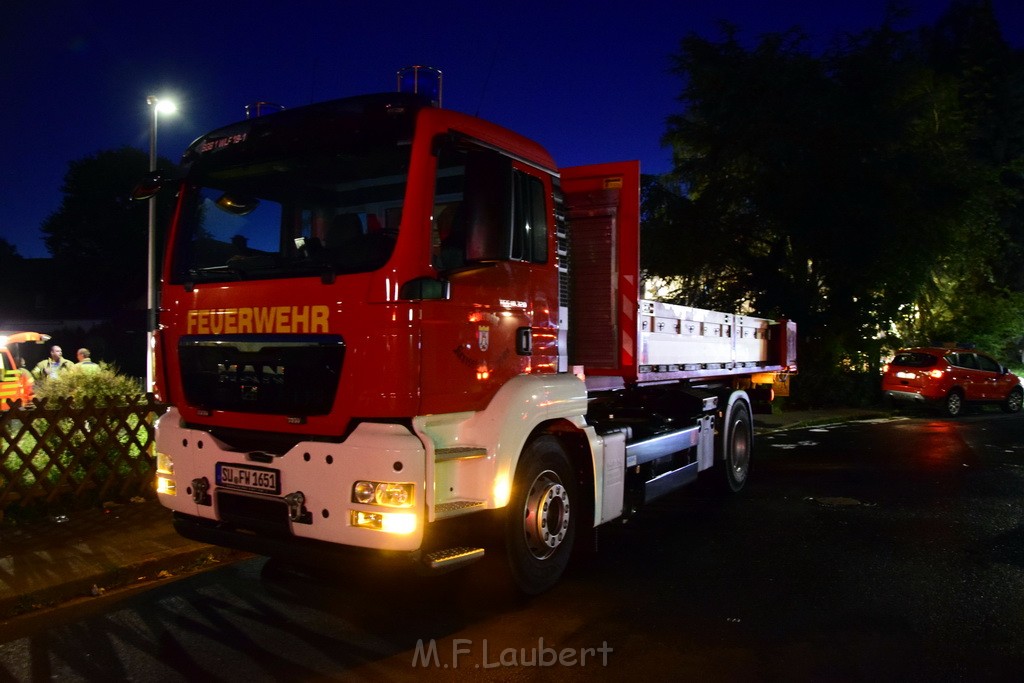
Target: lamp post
x=157, y=106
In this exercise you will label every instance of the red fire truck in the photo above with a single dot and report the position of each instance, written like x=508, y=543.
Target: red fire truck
x=385, y=326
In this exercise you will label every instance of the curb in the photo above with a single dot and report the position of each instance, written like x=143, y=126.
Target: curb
x=159, y=567
x=823, y=421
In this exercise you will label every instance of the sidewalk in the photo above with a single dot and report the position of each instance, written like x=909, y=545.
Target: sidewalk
x=83, y=554
x=51, y=561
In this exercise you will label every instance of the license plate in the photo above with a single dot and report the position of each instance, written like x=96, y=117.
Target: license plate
x=906, y=375
x=248, y=478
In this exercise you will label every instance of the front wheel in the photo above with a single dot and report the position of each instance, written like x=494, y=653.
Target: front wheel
x=541, y=523
x=1013, y=401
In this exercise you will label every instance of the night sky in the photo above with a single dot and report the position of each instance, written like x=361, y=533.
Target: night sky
x=588, y=80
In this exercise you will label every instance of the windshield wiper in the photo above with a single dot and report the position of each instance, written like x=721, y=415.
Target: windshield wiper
x=213, y=271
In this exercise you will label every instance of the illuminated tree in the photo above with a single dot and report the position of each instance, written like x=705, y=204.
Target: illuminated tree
x=841, y=189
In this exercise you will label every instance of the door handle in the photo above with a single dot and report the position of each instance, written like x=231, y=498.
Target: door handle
x=524, y=341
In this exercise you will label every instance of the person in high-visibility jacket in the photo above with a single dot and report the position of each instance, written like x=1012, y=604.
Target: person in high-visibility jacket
x=85, y=361
x=25, y=379
x=52, y=366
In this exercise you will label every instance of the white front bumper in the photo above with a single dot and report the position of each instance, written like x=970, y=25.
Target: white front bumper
x=324, y=473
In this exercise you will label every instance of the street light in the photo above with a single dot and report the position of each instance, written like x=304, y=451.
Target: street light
x=158, y=106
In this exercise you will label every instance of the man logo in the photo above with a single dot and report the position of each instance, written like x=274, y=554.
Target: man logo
x=483, y=337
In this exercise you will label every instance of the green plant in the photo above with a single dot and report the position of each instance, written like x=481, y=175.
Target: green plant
x=103, y=385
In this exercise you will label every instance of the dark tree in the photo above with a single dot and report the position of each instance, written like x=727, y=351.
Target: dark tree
x=8, y=253
x=99, y=236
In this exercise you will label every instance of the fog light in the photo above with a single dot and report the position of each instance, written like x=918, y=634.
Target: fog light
x=398, y=522
x=388, y=522
x=166, y=486
x=366, y=520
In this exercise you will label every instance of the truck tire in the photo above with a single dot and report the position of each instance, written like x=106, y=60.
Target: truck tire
x=736, y=442
x=540, y=526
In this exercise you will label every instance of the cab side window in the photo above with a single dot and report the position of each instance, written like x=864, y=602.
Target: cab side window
x=529, y=224
x=484, y=209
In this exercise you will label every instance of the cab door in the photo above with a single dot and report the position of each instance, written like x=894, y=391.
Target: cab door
x=490, y=245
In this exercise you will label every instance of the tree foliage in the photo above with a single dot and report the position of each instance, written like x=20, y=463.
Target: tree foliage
x=8, y=252
x=870, y=192
x=98, y=236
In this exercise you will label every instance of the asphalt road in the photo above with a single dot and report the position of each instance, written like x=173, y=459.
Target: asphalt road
x=879, y=551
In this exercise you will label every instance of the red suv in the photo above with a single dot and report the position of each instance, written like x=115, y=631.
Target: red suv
x=949, y=378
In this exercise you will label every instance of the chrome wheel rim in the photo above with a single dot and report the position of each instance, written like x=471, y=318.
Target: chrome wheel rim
x=546, y=515
x=1014, y=401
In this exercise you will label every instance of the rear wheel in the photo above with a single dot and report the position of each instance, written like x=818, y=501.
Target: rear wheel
x=737, y=439
x=1013, y=401
x=953, y=405
x=541, y=524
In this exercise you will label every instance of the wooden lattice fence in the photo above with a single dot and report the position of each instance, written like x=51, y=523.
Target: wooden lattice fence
x=55, y=453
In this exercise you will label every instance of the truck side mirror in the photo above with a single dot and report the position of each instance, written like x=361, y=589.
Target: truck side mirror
x=487, y=206
x=149, y=186
x=237, y=204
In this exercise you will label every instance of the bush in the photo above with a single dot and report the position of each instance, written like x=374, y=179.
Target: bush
x=104, y=385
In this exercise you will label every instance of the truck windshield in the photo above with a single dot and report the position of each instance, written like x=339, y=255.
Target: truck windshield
x=330, y=213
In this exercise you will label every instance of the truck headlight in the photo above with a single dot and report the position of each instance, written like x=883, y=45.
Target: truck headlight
x=386, y=494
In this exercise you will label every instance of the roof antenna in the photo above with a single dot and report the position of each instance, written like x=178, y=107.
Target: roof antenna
x=487, y=80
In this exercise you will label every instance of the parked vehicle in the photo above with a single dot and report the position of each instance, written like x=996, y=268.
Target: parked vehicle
x=16, y=383
x=385, y=326
x=949, y=378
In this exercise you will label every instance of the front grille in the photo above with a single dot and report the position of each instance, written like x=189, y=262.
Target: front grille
x=293, y=375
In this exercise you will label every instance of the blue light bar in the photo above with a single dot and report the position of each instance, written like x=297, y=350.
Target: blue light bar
x=262, y=108
x=421, y=80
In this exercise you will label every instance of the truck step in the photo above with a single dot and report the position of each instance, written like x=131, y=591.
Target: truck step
x=669, y=481
x=458, y=507
x=449, y=558
x=459, y=453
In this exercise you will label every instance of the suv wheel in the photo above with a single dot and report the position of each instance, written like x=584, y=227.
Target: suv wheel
x=1013, y=401
x=954, y=404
